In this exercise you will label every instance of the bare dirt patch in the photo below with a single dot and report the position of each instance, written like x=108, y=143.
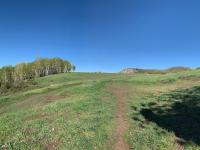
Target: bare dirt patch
x=39, y=116
x=51, y=98
x=36, y=100
x=190, y=78
x=48, y=116
x=122, y=125
x=52, y=145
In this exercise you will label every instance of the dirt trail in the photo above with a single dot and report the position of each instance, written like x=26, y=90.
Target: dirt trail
x=122, y=125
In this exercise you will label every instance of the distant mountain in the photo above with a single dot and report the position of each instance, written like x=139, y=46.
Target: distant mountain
x=155, y=71
x=178, y=69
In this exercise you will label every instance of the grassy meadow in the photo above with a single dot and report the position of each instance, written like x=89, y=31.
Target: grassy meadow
x=77, y=111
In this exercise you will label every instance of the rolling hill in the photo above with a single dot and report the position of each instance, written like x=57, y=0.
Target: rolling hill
x=87, y=111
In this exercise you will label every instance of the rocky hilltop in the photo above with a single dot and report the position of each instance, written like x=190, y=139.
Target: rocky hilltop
x=130, y=70
x=138, y=70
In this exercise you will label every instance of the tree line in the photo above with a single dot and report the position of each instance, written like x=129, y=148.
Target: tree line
x=11, y=76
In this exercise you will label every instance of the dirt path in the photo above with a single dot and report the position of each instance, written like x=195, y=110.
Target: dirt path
x=122, y=125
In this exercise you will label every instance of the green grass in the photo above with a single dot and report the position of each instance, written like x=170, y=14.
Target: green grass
x=65, y=117
x=76, y=111
x=160, y=117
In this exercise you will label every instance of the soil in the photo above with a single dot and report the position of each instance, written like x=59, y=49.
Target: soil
x=122, y=125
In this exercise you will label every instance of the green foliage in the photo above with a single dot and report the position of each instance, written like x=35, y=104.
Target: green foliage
x=7, y=77
x=44, y=66
x=14, y=76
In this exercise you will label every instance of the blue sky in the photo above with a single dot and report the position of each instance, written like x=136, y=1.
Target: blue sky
x=102, y=35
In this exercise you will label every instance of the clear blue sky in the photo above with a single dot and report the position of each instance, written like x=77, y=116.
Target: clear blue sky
x=102, y=35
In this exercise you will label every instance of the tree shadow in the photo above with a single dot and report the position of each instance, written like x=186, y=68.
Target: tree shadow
x=178, y=112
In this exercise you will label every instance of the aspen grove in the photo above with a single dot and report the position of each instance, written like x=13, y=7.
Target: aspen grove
x=11, y=76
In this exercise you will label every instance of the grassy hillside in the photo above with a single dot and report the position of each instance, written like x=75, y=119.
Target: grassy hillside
x=79, y=111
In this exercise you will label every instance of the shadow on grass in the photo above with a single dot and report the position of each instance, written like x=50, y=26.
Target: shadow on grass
x=178, y=112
